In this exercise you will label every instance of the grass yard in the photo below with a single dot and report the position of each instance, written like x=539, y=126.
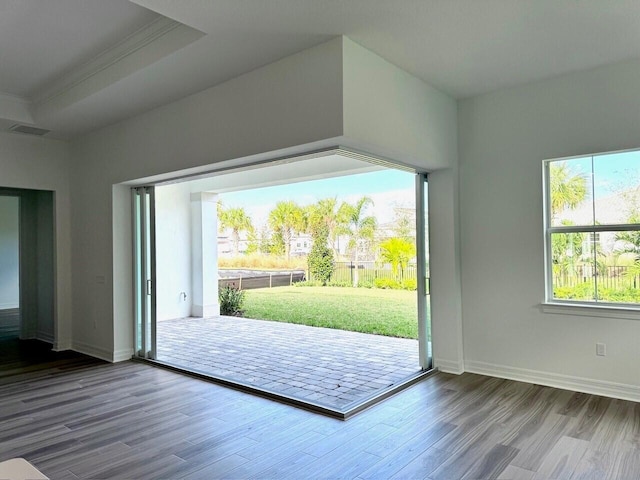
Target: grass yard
x=384, y=312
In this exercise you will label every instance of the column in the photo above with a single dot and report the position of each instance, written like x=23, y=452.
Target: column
x=204, y=254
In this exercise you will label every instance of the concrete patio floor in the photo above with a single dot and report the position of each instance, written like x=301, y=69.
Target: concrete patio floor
x=333, y=368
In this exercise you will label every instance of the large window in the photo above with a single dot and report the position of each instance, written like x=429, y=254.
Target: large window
x=592, y=229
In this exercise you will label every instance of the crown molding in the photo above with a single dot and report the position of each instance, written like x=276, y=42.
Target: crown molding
x=117, y=54
x=15, y=109
x=10, y=97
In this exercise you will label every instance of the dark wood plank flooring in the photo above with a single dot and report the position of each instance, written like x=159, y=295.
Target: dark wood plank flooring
x=33, y=358
x=130, y=420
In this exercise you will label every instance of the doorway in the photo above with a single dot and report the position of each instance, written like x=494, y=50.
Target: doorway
x=26, y=274
x=9, y=267
x=183, y=221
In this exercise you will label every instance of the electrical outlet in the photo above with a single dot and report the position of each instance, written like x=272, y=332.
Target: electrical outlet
x=601, y=349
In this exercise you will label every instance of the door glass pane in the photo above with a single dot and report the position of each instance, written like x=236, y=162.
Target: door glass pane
x=137, y=218
x=147, y=272
x=427, y=306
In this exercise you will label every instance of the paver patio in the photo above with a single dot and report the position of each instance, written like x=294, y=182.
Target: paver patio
x=334, y=368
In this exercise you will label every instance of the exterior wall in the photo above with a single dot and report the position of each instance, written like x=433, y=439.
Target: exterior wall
x=173, y=251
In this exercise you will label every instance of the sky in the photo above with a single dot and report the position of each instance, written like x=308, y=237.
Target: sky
x=387, y=189
x=612, y=172
x=614, y=177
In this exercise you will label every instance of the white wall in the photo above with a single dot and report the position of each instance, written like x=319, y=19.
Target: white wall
x=445, y=270
x=43, y=164
x=392, y=113
x=45, y=329
x=295, y=101
x=503, y=138
x=9, y=257
x=173, y=251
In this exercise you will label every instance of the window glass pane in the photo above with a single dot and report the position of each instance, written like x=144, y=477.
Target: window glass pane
x=618, y=268
x=617, y=188
x=573, y=266
x=570, y=190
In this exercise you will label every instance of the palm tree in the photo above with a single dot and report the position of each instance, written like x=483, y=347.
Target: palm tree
x=237, y=220
x=398, y=252
x=568, y=190
x=323, y=217
x=358, y=227
x=287, y=218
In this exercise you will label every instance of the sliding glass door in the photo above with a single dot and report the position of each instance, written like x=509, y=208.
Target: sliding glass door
x=423, y=280
x=144, y=271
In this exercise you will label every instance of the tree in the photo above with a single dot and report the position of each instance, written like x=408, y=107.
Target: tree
x=398, y=252
x=566, y=251
x=405, y=223
x=237, y=220
x=320, y=259
x=568, y=189
x=631, y=238
x=286, y=219
x=253, y=242
x=358, y=227
x=323, y=216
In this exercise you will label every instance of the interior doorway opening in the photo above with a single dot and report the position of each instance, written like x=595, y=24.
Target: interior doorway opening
x=187, y=260
x=9, y=267
x=26, y=274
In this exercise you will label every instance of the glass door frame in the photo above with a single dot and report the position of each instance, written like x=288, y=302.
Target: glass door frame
x=144, y=271
x=423, y=275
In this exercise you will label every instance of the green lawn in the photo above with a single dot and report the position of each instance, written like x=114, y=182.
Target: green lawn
x=383, y=312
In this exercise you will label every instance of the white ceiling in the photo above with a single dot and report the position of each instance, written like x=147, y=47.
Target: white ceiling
x=463, y=47
x=43, y=40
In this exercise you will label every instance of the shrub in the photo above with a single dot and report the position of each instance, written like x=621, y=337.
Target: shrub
x=387, y=283
x=231, y=300
x=409, y=284
x=580, y=291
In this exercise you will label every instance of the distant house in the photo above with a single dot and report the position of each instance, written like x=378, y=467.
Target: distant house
x=611, y=209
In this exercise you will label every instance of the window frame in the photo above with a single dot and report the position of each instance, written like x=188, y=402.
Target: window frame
x=549, y=230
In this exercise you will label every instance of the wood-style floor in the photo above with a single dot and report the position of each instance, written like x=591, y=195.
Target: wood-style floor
x=132, y=420
x=28, y=357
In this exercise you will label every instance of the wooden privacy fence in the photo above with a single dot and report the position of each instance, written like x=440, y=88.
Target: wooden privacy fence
x=269, y=280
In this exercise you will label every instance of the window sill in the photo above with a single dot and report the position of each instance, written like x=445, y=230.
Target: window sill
x=589, y=310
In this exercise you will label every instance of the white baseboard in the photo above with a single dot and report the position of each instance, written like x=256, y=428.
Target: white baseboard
x=449, y=366
x=622, y=391
x=62, y=345
x=9, y=306
x=122, y=355
x=93, y=351
x=44, y=336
